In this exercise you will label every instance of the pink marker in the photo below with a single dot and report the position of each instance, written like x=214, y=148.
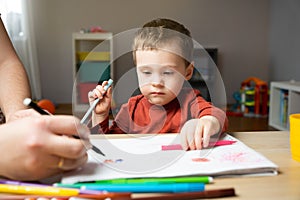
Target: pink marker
x=211, y=144
x=171, y=147
x=221, y=143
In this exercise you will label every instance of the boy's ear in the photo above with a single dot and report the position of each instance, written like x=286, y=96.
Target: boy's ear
x=189, y=71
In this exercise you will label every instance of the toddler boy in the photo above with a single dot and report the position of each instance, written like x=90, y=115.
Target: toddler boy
x=162, y=52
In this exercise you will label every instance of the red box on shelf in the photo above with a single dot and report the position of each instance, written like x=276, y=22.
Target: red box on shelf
x=83, y=90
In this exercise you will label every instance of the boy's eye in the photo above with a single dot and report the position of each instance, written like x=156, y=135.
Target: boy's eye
x=146, y=72
x=168, y=72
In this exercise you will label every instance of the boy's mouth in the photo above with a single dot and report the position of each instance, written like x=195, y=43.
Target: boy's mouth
x=157, y=93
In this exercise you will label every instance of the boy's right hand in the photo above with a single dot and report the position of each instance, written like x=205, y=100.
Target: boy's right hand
x=101, y=111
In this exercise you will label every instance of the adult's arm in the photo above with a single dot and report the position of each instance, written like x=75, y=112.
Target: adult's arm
x=14, y=84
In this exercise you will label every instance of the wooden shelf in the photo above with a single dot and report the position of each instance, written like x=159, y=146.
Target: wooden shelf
x=279, y=111
x=92, y=64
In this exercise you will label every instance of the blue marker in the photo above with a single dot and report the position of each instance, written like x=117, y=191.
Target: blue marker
x=147, y=187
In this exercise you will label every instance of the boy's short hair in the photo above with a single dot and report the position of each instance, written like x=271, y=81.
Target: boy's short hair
x=158, y=33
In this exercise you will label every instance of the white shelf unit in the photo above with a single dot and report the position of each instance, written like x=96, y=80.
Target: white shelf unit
x=92, y=61
x=292, y=91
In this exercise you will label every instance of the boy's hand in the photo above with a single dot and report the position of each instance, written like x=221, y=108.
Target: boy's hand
x=105, y=96
x=101, y=111
x=196, y=133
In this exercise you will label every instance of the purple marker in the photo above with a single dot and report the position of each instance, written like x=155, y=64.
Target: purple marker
x=10, y=182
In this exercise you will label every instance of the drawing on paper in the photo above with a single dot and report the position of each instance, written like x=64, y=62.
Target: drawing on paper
x=113, y=161
x=200, y=160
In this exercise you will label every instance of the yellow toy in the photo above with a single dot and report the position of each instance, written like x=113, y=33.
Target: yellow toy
x=254, y=97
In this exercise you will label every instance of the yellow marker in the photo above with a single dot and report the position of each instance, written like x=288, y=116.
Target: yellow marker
x=36, y=190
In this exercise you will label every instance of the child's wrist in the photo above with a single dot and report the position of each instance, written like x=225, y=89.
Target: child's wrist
x=98, y=118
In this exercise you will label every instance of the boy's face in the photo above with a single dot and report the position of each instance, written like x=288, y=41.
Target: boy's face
x=161, y=75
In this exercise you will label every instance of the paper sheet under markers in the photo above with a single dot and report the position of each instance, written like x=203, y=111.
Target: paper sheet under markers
x=138, y=157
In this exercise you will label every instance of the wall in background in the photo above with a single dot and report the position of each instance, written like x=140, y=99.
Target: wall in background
x=240, y=30
x=285, y=40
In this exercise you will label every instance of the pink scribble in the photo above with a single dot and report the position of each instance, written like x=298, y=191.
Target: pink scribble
x=235, y=157
x=200, y=159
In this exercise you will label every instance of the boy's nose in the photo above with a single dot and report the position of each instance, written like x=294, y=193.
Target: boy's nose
x=157, y=80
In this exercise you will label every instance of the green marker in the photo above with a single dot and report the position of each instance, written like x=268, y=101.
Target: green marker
x=186, y=179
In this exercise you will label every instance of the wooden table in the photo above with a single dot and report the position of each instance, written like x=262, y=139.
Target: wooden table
x=275, y=146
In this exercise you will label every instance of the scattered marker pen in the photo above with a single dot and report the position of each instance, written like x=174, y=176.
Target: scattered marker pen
x=28, y=102
x=11, y=182
x=36, y=190
x=221, y=143
x=182, y=179
x=210, y=145
x=147, y=187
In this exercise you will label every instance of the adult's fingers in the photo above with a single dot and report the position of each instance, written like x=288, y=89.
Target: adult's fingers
x=68, y=164
x=68, y=147
x=24, y=113
x=67, y=125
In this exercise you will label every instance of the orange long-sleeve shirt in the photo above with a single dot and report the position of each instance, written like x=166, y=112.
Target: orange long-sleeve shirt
x=138, y=115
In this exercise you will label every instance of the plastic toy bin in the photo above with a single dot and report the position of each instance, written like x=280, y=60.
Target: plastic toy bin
x=83, y=90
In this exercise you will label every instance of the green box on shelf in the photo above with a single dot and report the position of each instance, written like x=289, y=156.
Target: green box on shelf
x=93, y=71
